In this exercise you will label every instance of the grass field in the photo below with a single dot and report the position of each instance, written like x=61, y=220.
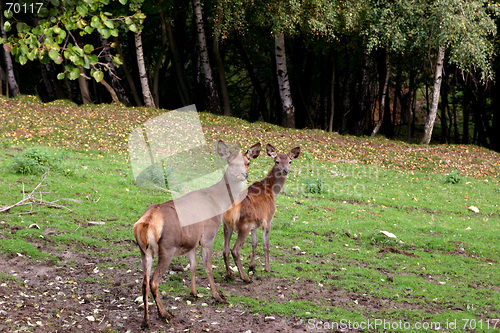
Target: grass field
x=330, y=262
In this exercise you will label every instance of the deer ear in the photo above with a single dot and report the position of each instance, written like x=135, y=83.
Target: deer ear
x=254, y=151
x=271, y=151
x=223, y=150
x=294, y=153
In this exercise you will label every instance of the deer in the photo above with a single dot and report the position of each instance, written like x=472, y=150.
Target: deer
x=255, y=210
x=161, y=231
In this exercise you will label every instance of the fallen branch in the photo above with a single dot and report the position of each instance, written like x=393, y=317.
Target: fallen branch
x=31, y=199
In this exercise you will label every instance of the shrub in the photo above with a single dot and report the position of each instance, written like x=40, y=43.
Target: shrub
x=315, y=186
x=453, y=177
x=35, y=161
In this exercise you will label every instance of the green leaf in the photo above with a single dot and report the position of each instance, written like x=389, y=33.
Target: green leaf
x=61, y=76
x=123, y=2
x=88, y=48
x=8, y=14
x=74, y=73
x=55, y=3
x=104, y=32
x=22, y=59
x=133, y=28
x=7, y=26
x=88, y=29
x=24, y=49
x=93, y=59
x=82, y=10
x=98, y=75
x=53, y=54
x=117, y=61
x=96, y=23
x=109, y=24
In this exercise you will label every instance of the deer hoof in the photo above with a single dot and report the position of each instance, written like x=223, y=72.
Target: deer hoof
x=166, y=315
x=221, y=298
x=246, y=279
x=146, y=324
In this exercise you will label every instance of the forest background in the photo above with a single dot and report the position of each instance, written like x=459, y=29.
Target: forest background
x=414, y=70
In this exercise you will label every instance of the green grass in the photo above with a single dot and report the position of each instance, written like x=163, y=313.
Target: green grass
x=333, y=210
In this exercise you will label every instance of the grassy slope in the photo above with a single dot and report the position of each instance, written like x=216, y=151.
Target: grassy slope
x=368, y=185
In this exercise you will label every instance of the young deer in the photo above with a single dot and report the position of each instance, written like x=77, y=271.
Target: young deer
x=163, y=230
x=256, y=210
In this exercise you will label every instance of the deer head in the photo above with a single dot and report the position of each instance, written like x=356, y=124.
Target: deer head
x=282, y=162
x=238, y=162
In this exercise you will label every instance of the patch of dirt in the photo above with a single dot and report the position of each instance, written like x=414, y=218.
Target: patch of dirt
x=462, y=251
x=392, y=249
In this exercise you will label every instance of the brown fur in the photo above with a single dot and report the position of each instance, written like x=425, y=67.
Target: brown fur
x=161, y=232
x=256, y=210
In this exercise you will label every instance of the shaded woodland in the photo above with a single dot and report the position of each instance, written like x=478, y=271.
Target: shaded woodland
x=418, y=71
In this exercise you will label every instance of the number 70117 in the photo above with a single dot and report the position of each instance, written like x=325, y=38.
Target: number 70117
x=17, y=8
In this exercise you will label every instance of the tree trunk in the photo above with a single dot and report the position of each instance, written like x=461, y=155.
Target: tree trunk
x=261, y=95
x=179, y=72
x=115, y=83
x=160, y=60
x=408, y=103
x=111, y=91
x=146, y=92
x=11, y=79
x=212, y=94
x=332, y=98
x=2, y=77
x=222, y=77
x=444, y=110
x=128, y=75
x=431, y=117
x=84, y=87
x=288, y=109
x=383, y=93
x=495, y=139
x=361, y=102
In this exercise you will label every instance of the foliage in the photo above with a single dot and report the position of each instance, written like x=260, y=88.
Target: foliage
x=59, y=31
x=35, y=160
x=314, y=186
x=453, y=177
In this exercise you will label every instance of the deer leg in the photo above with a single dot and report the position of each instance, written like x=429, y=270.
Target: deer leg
x=192, y=264
x=265, y=241
x=147, y=262
x=206, y=251
x=228, y=231
x=164, y=258
x=236, y=252
x=255, y=241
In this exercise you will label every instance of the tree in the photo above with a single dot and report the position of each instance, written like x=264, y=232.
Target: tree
x=288, y=109
x=57, y=32
x=146, y=92
x=431, y=117
x=11, y=79
x=465, y=29
x=212, y=94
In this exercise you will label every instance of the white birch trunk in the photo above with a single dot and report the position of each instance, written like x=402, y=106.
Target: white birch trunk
x=146, y=92
x=212, y=94
x=431, y=117
x=11, y=79
x=283, y=82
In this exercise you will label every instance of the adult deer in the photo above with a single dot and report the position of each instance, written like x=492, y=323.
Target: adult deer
x=255, y=211
x=177, y=227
